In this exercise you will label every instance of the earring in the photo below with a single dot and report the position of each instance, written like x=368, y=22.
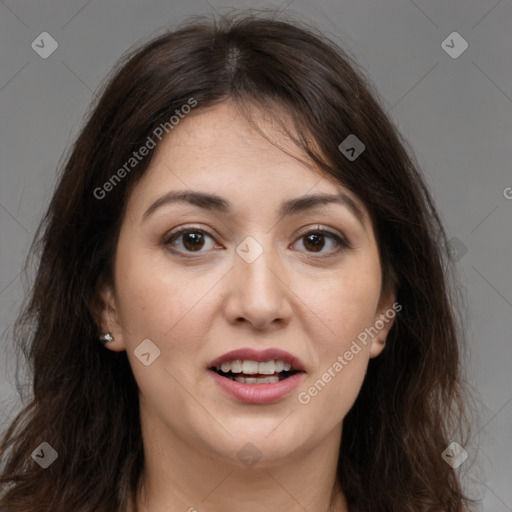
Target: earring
x=105, y=338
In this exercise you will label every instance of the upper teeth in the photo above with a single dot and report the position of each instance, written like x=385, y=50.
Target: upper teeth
x=254, y=367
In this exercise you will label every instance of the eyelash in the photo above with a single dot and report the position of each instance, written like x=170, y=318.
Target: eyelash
x=343, y=243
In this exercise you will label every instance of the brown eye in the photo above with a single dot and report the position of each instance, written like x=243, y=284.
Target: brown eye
x=315, y=241
x=192, y=240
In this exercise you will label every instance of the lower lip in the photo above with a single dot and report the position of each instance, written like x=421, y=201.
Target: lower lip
x=258, y=393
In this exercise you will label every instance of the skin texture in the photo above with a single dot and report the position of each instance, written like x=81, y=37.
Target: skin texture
x=195, y=309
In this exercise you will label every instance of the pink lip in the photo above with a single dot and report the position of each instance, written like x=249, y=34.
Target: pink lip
x=259, y=356
x=258, y=393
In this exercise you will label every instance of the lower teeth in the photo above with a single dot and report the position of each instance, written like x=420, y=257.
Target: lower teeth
x=251, y=379
x=256, y=380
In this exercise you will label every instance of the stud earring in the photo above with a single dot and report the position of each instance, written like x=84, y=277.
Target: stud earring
x=105, y=338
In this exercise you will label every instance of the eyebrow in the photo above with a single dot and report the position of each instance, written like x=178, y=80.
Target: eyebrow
x=213, y=202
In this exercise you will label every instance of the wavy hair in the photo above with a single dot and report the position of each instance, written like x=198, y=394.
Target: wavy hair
x=84, y=401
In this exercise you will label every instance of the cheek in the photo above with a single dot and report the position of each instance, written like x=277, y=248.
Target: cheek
x=355, y=304
x=341, y=305
x=344, y=306
x=166, y=308
x=163, y=304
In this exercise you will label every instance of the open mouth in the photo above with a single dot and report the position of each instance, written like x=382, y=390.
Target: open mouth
x=246, y=370
x=257, y=377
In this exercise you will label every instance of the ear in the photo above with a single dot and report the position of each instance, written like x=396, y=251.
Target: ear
x=384, y=320
x=107, y=318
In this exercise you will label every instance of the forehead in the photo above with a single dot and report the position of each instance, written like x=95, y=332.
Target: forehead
x=218, y=150
x=222, y=135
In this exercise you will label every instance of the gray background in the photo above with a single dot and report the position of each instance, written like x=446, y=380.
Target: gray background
x=456, y=113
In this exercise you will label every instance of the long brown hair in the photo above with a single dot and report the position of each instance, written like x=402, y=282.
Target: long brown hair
x=84, y=403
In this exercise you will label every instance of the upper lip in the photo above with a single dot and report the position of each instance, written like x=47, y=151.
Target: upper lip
x=249, y=354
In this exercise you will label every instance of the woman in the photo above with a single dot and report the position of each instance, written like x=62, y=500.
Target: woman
x=241, y=227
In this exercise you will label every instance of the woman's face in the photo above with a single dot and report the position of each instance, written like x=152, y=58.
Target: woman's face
x=249, y=274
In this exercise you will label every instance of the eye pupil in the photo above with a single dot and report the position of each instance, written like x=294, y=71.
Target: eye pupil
x=319, y=242
x=196, y=237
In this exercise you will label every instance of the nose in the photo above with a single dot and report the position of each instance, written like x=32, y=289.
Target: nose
x=258, y=293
